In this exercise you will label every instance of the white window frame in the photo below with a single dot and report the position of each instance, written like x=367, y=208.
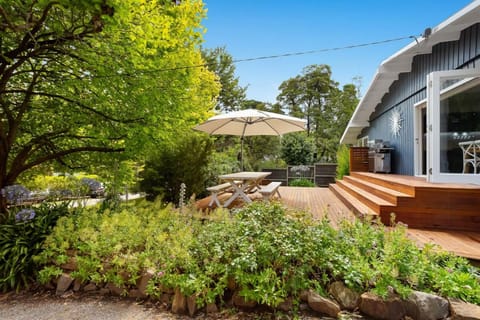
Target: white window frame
x=434, y=96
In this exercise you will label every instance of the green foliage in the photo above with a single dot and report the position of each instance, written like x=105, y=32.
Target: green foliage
x=302, y=182
x=125, y=91
x=343, y=161
x=222, y=163
x=21, y=239
x=109, y=245
x=297, y=149
x=315, y=96
x=231, y=95
x=263, y=252
x=186, y=162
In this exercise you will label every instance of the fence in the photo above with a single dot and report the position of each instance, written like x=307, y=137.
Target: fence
x=322, y=174
x=359, y=159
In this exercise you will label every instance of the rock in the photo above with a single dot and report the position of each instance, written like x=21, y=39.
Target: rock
x=104, y=291
x=211, y=308
x=114, y=289
x=135, y=293
x=63, y=283
x=179, y=304
x=192, y=305
x=323, y=305
x=303, y=307
x=90, y=287
x=346, y=297
x=378, y=308
x=240, y=301
x=143, y=281
x=71, y=264
x=77, y=285
x=461, y=310
x=286, y=305
x=304, y=295
x=50, y=286
x=420, y=305
x=166, y=298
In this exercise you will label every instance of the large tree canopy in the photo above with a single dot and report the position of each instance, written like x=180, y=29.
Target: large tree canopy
x=232, y=95
x=313, y=95
x=84, y=78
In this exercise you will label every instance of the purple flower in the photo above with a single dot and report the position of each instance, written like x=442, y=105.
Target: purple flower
x=25, y=215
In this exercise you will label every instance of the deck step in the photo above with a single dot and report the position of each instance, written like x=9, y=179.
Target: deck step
x=390, y=181
x=372, y=201
x=386, y=193
x=352, y=203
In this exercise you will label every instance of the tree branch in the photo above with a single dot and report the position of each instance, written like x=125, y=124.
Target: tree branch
x=58, y=155
x=101, y=114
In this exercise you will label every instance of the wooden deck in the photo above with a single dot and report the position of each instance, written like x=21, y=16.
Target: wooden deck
x=414, y=201
x=322, y=202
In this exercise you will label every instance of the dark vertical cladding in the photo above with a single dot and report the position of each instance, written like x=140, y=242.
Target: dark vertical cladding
x=410, y=88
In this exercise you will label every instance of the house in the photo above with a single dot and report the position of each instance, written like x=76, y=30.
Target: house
x=425, y=101
x=425, y=125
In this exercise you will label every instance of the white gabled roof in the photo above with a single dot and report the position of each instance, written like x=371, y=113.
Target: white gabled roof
x=401, y=62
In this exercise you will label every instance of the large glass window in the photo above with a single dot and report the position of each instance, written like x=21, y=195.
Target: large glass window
x=459, y=131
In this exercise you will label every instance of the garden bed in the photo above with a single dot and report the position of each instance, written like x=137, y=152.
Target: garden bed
x=263, y=256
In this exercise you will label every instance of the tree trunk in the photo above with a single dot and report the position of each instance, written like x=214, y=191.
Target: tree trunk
x=3, y=208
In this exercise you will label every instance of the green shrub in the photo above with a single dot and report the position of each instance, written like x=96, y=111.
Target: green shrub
x=302, y=182
x=343, y=161
x=184, y=162
x=264, y=251
x=21, y=238
x=297, y=149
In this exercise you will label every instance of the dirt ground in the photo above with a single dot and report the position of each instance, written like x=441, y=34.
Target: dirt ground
x=44, y=305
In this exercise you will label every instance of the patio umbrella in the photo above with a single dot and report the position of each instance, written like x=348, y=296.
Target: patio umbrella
x=251, y=122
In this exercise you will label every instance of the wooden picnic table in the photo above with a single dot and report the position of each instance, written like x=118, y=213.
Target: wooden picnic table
x=243, y=183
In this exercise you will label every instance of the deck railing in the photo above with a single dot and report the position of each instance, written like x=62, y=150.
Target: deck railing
x=322, y=174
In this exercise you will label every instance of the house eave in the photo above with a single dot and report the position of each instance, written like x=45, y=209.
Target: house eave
x=400, y=62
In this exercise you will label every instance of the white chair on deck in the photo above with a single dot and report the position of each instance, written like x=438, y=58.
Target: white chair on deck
x=471, y=155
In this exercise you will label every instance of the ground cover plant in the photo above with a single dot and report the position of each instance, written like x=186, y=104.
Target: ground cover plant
x=263, y=252
x=21, y=238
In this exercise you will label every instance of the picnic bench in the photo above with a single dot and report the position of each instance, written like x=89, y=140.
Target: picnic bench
x=216, y=191
x=267, y=191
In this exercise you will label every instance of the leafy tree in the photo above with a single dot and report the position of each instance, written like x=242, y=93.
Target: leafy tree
x=231, y=94
x=85, y=80
x=185, y=162
x=313, y=95
x=297, y=149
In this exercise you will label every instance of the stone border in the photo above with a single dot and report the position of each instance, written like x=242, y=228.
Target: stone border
x=419, y=305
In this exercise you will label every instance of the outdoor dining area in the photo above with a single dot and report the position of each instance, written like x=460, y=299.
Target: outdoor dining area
x=242, y=186
x=245, y=185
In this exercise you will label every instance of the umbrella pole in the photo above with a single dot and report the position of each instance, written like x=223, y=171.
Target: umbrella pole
x=241, y=154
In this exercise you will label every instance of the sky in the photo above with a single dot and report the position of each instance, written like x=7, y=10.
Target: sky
x=257, y=28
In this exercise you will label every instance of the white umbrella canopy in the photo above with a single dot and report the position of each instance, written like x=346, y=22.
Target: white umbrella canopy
x=251, y=122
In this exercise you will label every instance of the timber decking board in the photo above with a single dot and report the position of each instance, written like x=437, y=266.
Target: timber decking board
x=444, y=205
x=352, y=203
x=462, y=243
x=387, y=194
x=320, y=202
x=371, y=200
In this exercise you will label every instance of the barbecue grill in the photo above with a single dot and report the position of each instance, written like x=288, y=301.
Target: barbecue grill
x=380, y=157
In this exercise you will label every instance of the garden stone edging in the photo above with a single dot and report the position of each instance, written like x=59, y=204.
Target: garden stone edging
x=419, y=305
x=461, y=310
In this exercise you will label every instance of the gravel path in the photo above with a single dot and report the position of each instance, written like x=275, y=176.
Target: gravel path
x=28, y=306
x=47, y=306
